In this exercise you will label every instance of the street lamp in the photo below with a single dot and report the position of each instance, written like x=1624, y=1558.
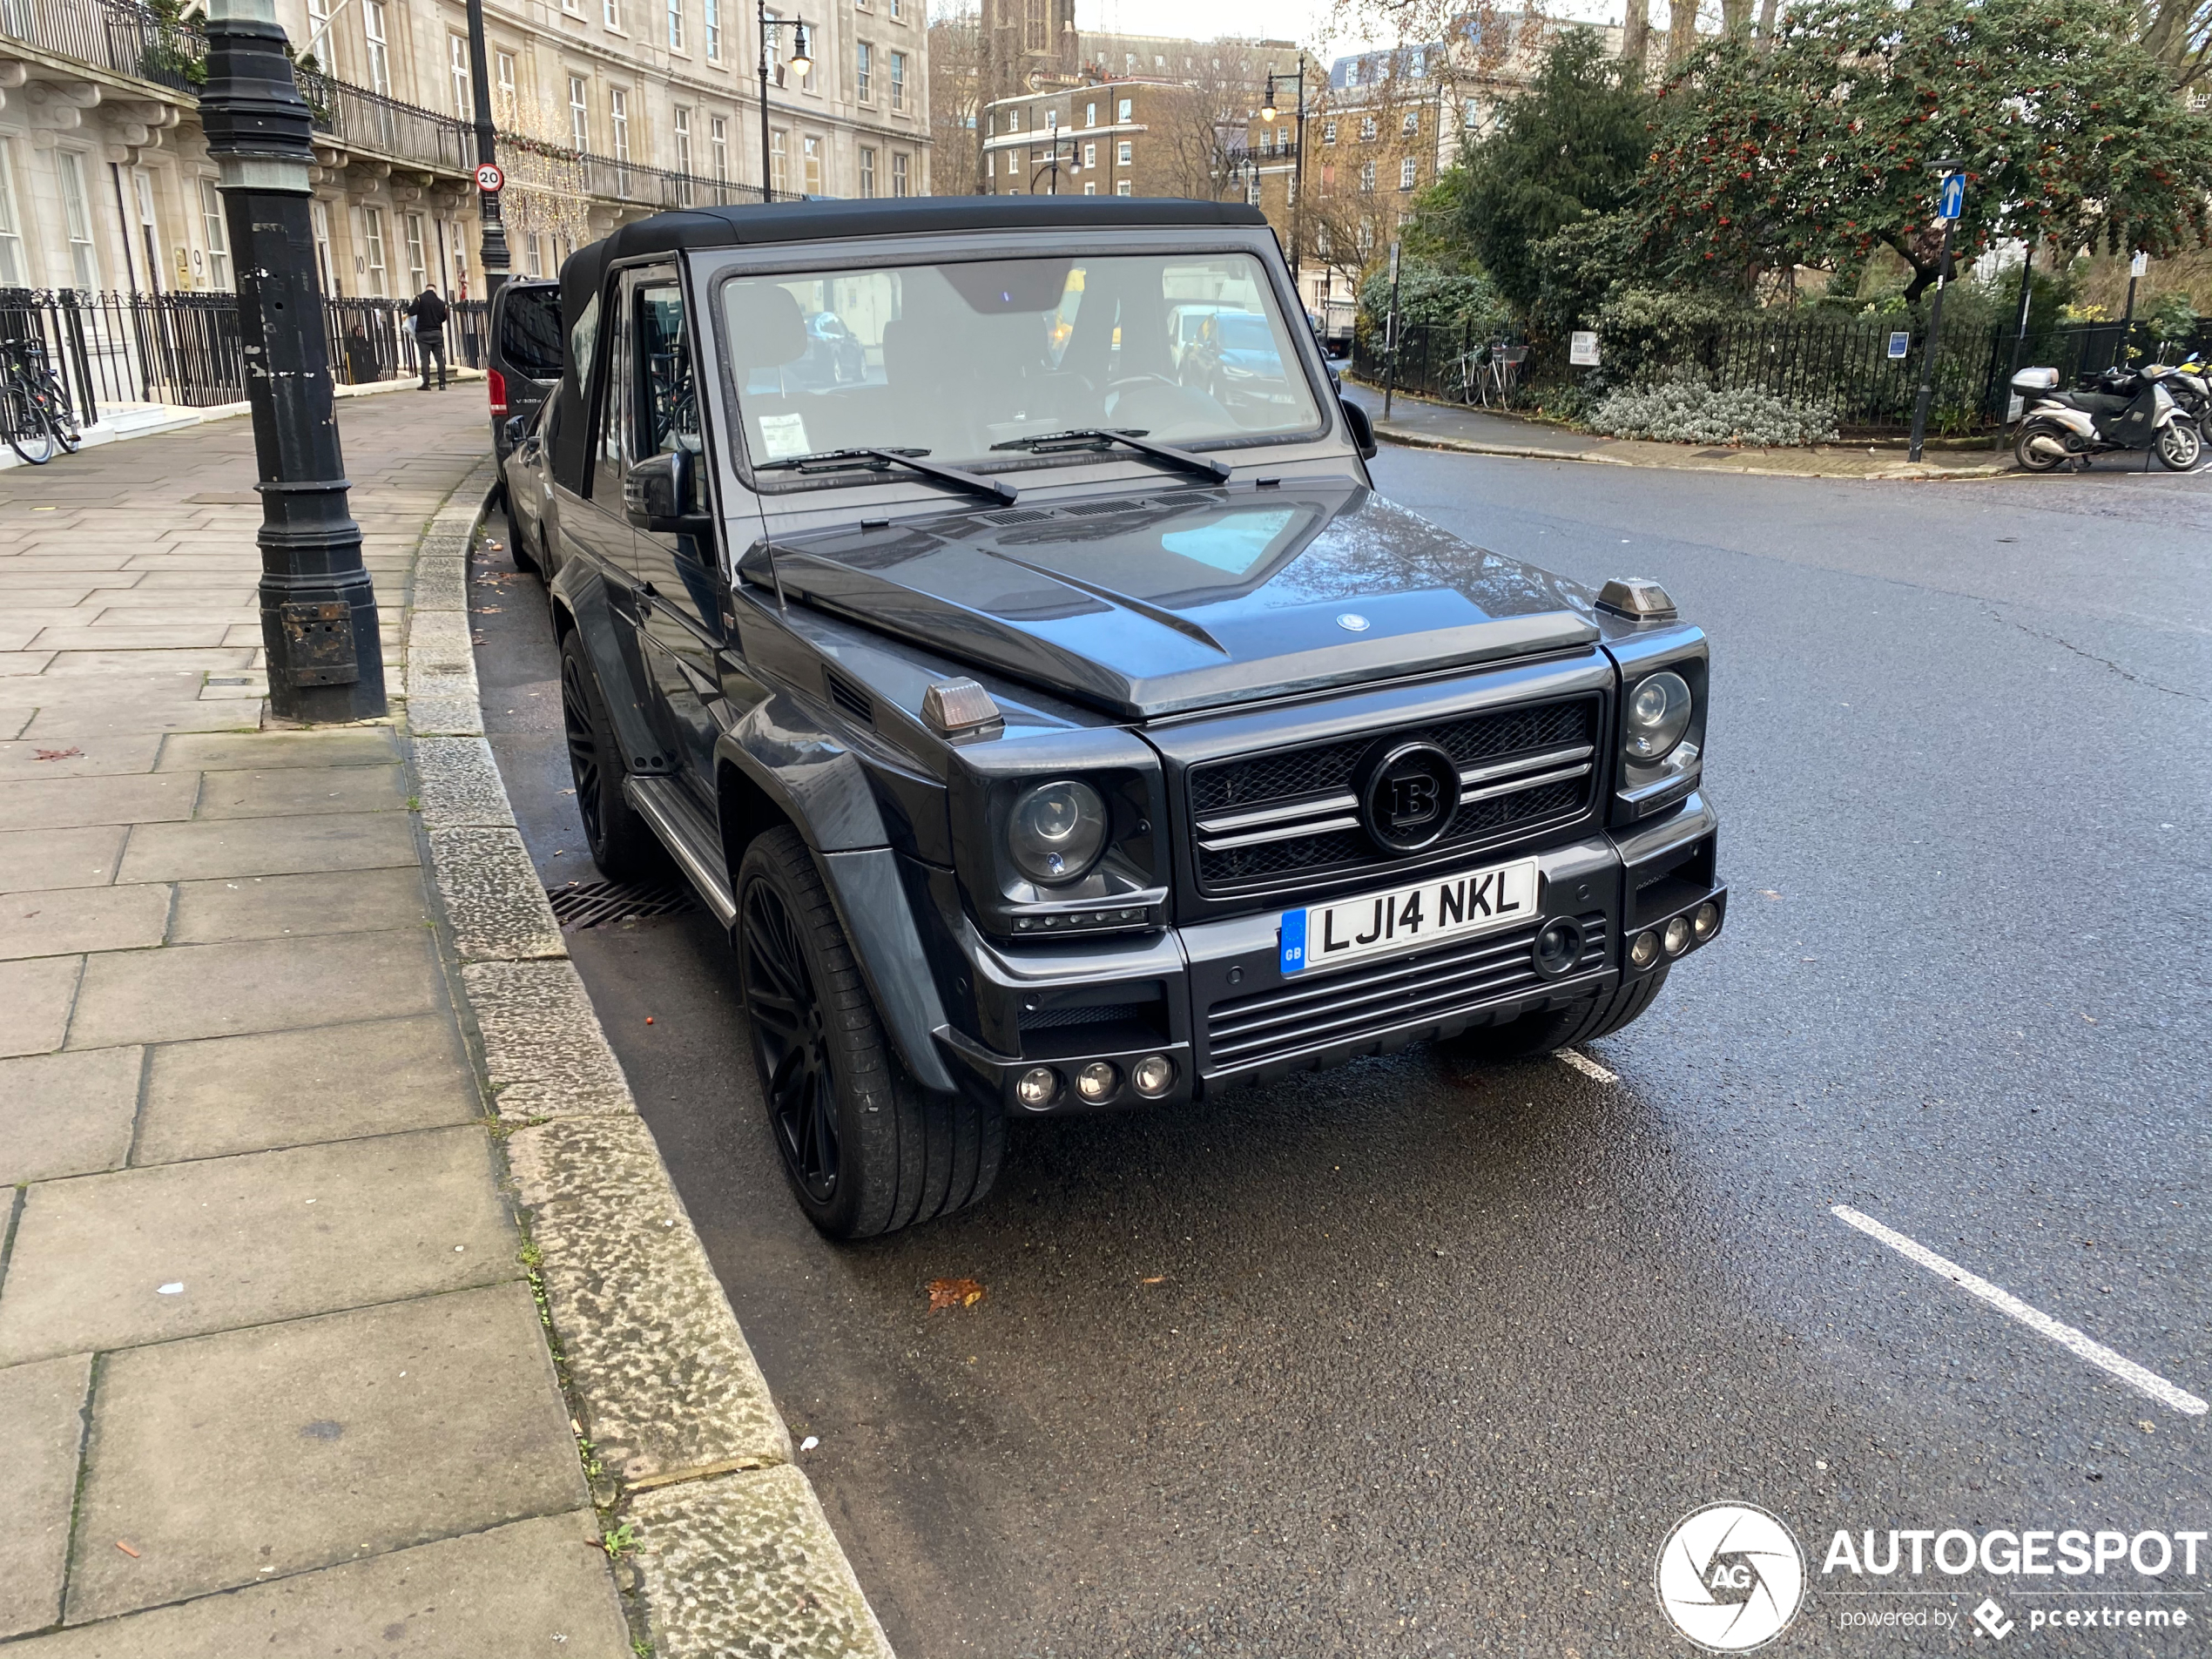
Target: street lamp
x=1268, y=113
x=798, y=64
x=318, y=608
x=1052, y=160
x=488, y=178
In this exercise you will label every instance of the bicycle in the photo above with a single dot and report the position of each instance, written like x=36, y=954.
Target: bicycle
x=37, y=410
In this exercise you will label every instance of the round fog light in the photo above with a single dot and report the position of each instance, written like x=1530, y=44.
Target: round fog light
x=1097, y=1081
x=1558, y=947
x=1154, y=1075
x=1705, y=920
x=1645, y=951
x=1037, y=1086
x=1677, y=938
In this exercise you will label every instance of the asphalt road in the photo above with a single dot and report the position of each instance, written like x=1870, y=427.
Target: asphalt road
x=1404, y=1359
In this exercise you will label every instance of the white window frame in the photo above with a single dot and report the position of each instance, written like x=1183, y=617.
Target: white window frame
x=902, y=174
x=810, y=163
x=610, y=15
x=319, y=34
x=464, y=103
x=1122, y=153
x=376, y=38
x=898, y=80
x=418, y=253
x=319, y=217
x=1408, y=171
x=618, y=121
x=77, y=220
x=503, y=88
x=718, y=139
x=217, y=232
x=1124, y=107
x=1411, y=125
x=676, y=27
x=712, y=19
x=778, y=158
x=13, y=273
x=1122, y=187
x=868, y=170
x=1090, y=158
x=373, y=249
x=863, y=72
x=579, y=114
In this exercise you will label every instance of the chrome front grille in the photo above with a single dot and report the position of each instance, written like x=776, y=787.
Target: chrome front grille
x=1427, y=987
x=1291, y=814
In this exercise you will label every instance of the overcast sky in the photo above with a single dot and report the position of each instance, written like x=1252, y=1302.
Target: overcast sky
x=1278, y=19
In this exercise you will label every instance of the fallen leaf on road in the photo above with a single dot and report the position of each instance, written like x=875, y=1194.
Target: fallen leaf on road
x=1769, y=892
x=953, y=1293
x=126, y=1549
x=1157, y=1278
x=56, y=754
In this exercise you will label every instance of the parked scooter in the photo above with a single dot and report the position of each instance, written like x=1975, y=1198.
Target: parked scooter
x=2184, y=382
x=2131, y=411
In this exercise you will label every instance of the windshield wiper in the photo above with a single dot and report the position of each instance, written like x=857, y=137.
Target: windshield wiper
x=1098, y=437
x=883, y=459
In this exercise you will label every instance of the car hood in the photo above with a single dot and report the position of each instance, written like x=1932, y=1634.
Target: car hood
x=1189, y=598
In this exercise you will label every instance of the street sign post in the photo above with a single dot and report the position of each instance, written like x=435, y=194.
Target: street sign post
x=489, y=179
x=1951, y=201
x=1390, y=337
x=1900, y=343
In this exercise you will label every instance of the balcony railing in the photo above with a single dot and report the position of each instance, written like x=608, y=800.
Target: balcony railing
x=128, y=39
x=113, y=35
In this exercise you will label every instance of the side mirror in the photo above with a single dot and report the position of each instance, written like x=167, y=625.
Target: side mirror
x=516, y=424
x=1363, y=430
x=656, y=497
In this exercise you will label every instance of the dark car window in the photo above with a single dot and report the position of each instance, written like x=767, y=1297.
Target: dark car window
x=1242, y=331
x=529, y=331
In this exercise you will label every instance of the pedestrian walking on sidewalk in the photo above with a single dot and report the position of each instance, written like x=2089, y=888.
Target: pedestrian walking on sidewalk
x=426, y=320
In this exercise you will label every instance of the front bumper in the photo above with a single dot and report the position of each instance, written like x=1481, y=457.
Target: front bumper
x=1212, y=999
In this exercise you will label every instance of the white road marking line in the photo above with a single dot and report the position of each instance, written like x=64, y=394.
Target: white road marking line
x=2066, y=1336
x=1584, y=1064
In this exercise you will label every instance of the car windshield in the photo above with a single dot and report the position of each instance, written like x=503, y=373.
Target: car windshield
x=959, y=361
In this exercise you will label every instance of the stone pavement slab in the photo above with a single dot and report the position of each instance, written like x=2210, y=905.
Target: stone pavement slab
x=135, y=753
x=287, y=1447
x=260, y=985
x=296, y=1088
x=260, y=751
x=38, y=861
x=267, y=906
x=64, y=919
x=67, y=1114
x=42, y=1425
x=294, y=790
x=70, y=803
x=37, y=995
x=268, y=846
x=277, y=1235
x=530, y=1588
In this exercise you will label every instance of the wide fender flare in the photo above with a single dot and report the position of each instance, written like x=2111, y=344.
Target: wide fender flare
x=578, y=589
x=822, y=789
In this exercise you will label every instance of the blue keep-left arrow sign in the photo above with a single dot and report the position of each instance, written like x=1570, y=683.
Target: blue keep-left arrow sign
x=1953, y=197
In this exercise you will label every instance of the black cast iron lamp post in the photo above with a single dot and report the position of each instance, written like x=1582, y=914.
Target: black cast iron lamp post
x=798, y=64
x=1951, y=203
x=318, y=609
x=489, y=178
x=1268, y=113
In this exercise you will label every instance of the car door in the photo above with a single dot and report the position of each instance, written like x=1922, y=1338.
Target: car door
x=594, y=528
x=682, y=591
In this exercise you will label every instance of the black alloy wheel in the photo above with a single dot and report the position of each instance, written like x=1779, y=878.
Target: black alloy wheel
x=865, y=1149
x=623, y=845
x=789, y=1043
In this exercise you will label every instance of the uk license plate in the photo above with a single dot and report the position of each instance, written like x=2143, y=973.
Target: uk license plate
x=1376, y=924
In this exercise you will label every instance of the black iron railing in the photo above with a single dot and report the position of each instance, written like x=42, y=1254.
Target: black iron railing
x=113, y=35
x=185, y=348
x=1843, y=363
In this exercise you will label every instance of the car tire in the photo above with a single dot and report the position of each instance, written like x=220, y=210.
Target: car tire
x=518, y=548
x=622, y=844
x=1539, y=1034
x=865, y=1149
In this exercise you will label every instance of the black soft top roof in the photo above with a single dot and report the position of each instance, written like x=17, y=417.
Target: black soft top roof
x=757, y=224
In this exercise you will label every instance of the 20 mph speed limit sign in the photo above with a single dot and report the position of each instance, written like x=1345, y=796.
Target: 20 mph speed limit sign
x=489, y=178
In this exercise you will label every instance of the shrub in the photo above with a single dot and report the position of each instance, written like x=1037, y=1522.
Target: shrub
x=1691, y=412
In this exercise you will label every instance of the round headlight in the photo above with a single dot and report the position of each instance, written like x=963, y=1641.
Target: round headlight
x=1658, y=715
x=1057, y=832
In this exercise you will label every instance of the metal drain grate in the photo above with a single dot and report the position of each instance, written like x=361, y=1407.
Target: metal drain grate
x=593, y=904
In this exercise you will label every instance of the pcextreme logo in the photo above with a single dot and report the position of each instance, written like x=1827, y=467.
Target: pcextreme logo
x=1730, y=1577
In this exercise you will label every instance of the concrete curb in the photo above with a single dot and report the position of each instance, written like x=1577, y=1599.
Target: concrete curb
x=1902, y=472
x=678, y=1433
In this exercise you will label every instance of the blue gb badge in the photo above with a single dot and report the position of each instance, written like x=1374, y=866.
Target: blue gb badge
x=1293, y=938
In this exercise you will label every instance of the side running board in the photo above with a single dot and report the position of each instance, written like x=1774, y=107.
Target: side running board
x=690, y=838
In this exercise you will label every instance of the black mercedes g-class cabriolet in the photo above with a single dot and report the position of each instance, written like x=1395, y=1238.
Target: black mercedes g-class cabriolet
x=1054, y=733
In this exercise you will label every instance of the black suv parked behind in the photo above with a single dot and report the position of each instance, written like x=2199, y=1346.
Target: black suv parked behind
x=1051, y=735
